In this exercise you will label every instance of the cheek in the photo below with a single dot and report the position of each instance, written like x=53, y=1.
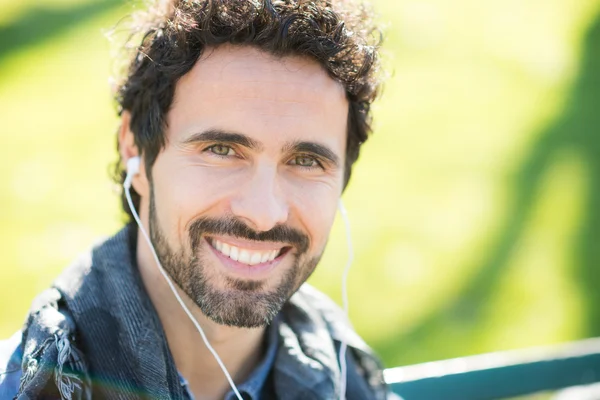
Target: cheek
x=315, y=205
x=184, y=191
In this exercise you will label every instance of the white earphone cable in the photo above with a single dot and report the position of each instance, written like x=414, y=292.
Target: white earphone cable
x=126, y=186
x=344, y=345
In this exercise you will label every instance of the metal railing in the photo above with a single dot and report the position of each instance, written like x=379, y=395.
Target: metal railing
x=500, y=375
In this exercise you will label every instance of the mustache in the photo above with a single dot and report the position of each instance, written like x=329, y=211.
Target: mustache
x=232, y=226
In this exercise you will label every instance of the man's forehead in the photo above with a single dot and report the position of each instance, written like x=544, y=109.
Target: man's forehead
x=242, y=66
x=245, y=89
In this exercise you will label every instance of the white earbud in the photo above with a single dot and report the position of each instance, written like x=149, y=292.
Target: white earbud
x=133, y=168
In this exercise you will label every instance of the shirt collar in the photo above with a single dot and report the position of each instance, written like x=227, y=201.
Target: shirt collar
x=251, y=389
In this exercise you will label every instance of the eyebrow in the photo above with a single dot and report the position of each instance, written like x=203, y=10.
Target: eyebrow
x=217, y=135
x=314, y=148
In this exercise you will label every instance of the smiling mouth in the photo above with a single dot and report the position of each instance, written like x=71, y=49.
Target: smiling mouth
x=246, y=256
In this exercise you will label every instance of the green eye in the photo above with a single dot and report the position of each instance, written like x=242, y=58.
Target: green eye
x=305, y=161
x=221, y=150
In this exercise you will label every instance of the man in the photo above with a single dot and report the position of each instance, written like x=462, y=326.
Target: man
x=247, y=117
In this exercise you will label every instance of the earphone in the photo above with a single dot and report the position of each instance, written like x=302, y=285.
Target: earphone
x=133, y=168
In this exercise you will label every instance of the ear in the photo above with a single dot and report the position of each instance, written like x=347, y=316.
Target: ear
x=128, y=149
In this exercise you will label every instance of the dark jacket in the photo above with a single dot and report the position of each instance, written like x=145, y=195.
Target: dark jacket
x=96, y=333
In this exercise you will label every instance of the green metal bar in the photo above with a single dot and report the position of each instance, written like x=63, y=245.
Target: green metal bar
x=499, y=375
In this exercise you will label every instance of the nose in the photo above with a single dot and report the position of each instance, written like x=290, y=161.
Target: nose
x=260, y=202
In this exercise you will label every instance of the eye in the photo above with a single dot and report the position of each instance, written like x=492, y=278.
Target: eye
x=221, y=150
x=305, y=161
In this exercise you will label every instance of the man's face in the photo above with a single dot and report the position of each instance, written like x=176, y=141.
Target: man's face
x=245, y=192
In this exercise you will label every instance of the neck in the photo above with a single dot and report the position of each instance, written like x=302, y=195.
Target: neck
x=240, y=349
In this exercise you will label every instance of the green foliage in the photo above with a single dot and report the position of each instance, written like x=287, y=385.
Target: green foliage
x=474, y=206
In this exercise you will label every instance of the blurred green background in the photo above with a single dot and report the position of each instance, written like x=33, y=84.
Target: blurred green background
x=475, y=206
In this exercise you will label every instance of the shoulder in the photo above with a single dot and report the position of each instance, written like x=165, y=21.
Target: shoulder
x=47, y=354
x=8, y=349
x=365, y=371
x=321, y=307
x=11, y=353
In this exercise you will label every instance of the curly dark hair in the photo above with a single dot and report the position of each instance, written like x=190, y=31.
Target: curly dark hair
x=339, y=34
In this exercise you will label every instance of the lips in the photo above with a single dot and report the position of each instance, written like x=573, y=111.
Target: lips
x=244, y=255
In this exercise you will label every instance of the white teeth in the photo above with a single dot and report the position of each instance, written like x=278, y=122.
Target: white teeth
x=245, y=256
x=225, y=249
x=234, y=253
x=265, y=257
x=255, y=259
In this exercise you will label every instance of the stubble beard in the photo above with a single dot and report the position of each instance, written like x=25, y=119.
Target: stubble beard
x=239, y=303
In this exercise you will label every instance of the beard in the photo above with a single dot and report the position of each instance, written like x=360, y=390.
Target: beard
x=240, y=303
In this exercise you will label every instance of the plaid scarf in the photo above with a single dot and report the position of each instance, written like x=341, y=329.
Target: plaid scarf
x=95, y=333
